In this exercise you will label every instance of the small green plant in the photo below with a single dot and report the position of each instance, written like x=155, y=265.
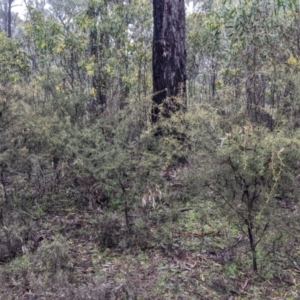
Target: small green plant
x=232, y=269
x=109, y=230
x=18, y=265
x=54, y=255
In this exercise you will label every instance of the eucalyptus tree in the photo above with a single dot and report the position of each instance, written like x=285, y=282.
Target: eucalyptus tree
x=96, y=49
x=8, y=18
x=3, y=15
x=66, y=11
x=169, y=56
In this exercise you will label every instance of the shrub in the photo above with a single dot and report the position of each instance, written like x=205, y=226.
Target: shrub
x=55, y=254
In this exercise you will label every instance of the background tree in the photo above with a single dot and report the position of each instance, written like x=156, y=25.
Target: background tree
x=8, y=18
x=169, y=56
x=98, y=43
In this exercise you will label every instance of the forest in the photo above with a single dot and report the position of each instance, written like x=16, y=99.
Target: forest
x=150, y=149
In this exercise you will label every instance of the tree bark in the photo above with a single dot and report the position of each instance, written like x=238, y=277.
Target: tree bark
x=169, y=57
x=255, y=92
x=9, y=18
x=96, y=45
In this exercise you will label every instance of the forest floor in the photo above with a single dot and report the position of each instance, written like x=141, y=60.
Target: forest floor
x=179, y=257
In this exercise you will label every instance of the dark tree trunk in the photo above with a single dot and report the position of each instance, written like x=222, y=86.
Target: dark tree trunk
x=256, y=84
x=9, y=19
x=120, y=44
x=255, y=91
x=96, y=44
x=169, y=57
x=5, y=15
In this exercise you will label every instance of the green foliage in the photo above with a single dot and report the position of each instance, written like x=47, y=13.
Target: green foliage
x=45, y=33
x=14, y=65
x=54, y=254
x=211, y=182
x=250, y=170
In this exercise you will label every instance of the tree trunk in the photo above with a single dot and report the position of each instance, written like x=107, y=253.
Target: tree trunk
x=96, y=44
x=120, y=44
x=255, y=92
x=256, y=84
x=9, y=19
x=4, y=13
x=169, y=57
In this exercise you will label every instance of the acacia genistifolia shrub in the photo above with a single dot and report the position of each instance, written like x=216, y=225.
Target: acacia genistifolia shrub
x=15, y=206
x=249, y=175
x=247, y=171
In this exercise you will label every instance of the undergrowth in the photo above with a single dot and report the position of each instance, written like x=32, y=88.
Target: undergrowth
x=103, y=205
